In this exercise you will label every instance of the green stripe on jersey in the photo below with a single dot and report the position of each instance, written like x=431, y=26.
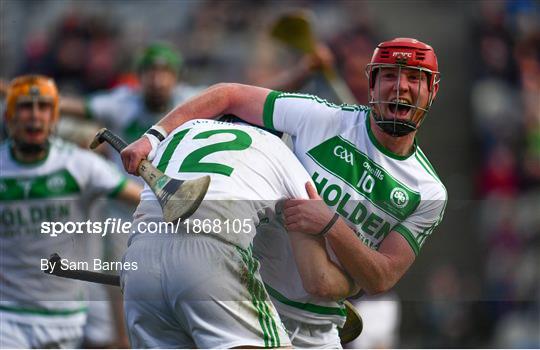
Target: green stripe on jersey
x=317, y=309
x=269, y=104
x=268, y=110
x=344, y=106
x=409, y=237
x=341, y=158
x=380, y=147
x=422, y=159
x=42, y=312
x=58, y=184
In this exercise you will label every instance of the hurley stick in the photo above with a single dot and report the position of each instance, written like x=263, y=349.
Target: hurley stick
x=178, y=199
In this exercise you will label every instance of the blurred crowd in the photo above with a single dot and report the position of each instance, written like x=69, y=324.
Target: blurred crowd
x=87, y=52
x=505, y=101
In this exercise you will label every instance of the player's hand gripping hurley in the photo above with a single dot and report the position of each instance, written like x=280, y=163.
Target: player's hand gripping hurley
x=178, y=199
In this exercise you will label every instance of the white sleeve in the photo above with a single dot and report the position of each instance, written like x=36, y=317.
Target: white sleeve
x=302, y=115
x=420, y=224
x=106, y=106
x=291, y=173
x=97, y=175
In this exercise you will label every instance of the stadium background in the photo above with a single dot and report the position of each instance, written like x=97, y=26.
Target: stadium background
x=476, y=281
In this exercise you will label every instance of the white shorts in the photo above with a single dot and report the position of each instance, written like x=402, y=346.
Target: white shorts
x=99, y=330
x=195, y=291
x=17, y=335
x=304, y=335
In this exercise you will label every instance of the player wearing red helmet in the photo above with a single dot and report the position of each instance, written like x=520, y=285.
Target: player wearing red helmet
x=403, y=81
x=377, y=197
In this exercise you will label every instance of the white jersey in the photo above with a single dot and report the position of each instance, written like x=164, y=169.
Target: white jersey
x=124, y=111
x=250, y=171
x=375, y=190
x=59, y=188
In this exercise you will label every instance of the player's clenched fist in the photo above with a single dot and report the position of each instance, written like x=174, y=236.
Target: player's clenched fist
x=134, y=153
x=307, y=215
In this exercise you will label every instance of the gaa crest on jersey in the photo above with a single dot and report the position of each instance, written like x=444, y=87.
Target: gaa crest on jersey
x=342, y=153
x=56, y=183
x=399, y=197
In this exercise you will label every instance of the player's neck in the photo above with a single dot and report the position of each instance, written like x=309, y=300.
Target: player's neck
x=23, y=155
x=401, y=146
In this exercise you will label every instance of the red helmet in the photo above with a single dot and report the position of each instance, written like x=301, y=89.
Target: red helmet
x=406, y=52
x=403, y=53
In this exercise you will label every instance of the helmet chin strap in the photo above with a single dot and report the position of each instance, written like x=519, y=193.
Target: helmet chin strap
x=395, y=128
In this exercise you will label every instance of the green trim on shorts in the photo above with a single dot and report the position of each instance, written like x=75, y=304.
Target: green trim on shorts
x=317, y=309
x=259, y=301
x=43, y=312
x=268, y=110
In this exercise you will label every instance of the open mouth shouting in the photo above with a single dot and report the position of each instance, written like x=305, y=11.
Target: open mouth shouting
x=35, y=132
x=400, y=108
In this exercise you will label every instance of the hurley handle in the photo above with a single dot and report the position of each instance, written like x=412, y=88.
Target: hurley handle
x=115, y=141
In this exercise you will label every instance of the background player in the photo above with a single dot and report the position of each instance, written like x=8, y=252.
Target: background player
x=364, y=160
x=129, y=112
x=44, y=179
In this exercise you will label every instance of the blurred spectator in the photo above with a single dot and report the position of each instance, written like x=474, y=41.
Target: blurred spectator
x=499, y=174
x=82, y=54
x=353, y=50
x=506, y=108
x=527, y=54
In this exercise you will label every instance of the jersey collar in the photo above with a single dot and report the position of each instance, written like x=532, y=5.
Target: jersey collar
x=27, y=163
x=383, y=149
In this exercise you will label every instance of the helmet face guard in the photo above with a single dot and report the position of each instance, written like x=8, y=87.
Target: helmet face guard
x=399, y=56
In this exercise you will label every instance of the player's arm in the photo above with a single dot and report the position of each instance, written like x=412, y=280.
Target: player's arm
x=130, y=192
x=244, y=101
x=374, y=271
x=73, y=106
x=377, y=271
x=320, y=275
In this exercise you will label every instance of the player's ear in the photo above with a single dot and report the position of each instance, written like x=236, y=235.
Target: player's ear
x=435, y=90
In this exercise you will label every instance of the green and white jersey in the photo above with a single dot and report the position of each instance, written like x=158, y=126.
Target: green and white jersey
x=124, y=112
x=282, y=279
x=250, y=171
x=59, y=188
x=375, y=190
